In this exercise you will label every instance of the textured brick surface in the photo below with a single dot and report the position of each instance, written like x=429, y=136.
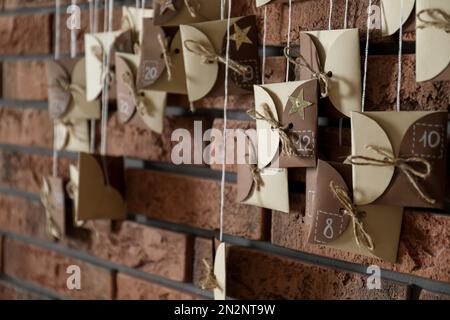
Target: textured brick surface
x=191, y=201
x=9, y=291
x=427, y=295
x=202, y=250
x=48, y=268
x=130, y=288
x=19, y=4
x=24, y=80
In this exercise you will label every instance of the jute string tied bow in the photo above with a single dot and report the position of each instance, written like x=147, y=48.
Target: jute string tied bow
x=51, y=227
x=164, y=44
x=68, y=87
x=360, y=233
x=139, y=97
x=404, y=164
x=438, y=19
x=210, y=281
x=287, y=145
x=105, y=74
x=322, y=76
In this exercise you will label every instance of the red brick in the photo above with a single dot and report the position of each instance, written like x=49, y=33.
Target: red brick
x=18, y=4
x=202, y=251
x=130, y=288
x=48, y=268
x=428, y=295
x=24, y=80
x=191, y=201
x=25, y=34
x=9, y=291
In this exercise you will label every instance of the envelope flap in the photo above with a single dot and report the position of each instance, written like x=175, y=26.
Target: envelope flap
x=94, y=68
x=369, y=182
x=260, y=3
x=200, y=76
x=244, y=183
x=165, y=11
x=390, y=13
x=310, y=53
x=126, y=104
x=220, y=272
x=58, y=97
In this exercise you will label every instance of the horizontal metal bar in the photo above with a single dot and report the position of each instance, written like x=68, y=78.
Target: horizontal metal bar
x=44, y=293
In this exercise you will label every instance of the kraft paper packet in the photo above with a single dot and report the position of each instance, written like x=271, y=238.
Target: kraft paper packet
x=403, y=135
x=432, y=44
x=204, y=79
x=390, y=16
x=157, y=46
x=72, y=135
x=96, y=44
x=97, y=188
x=67, y=91
x=143, y=108
x=338, y=52
x=176, y=12
x=220, y=272
x=53, y=200
x=328, y=224
x=294, y=104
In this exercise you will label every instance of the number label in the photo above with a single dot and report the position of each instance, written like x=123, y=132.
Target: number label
x=430, y=139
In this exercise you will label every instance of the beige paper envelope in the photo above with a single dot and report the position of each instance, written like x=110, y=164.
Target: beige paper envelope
x=276, y=96
x=74, y=176
x=432, y=45
x=339, y=53
x=133, y=19
x=156, y=101
x=220, y=272
x=205, y=10
x=72, y=135
x=390, y=15
x=402, y=134
x=274, y=194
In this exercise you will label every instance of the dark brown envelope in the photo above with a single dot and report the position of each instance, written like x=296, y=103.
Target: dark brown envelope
x=59, y=99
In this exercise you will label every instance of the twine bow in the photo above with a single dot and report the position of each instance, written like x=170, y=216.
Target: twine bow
x=193, y=7
x=360, y=233
x=51, y=226
x=72, y=191
x=439, y=19
x=67, y=86
x=108, y=74
x=210, y=281
x=139, y=97
x=404, y=164
x=208, y=56
x=287, y=145
x=166, y=54
x=322, y=76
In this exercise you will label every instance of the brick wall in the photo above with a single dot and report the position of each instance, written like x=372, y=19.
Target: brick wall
x=157, y=252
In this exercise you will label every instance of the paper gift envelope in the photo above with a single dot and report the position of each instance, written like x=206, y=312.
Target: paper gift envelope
x=53, y=200
x=330, y=226
x=96, y=44
x=432, y=44
x=335, y=51
x=99, y=191
x=390, y=16
x=273, y=192
x=260, y=3
x=72, y=135
x=292, y=104
x=132, y=19
x=206, y=78
x=143, y=108
x=72, y=190
x=414, y=137
x=161, y=49
x=176, y=12
x=67, y=91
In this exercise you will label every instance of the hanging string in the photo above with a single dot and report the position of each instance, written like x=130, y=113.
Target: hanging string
x=263, y=76
x=400, y=51
x=289, y=38
x=346, y=15
x=57, y=55
x=92, y=24
x=95, y=15
x=225, y=118
x=366, y=57
x=330, y=15
x=222, y=9
x=73, y=36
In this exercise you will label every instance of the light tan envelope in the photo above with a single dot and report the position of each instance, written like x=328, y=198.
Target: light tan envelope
x=260, y=3
x=72, y=135
x=203, y=10
x=338, y=52
x=276, y=96
x=72, y=188
x=127, y=110
x=432, y=45
x=220, y=272
x=403, y=135
x=390, y=15
x=207, y=79
x=273, y=194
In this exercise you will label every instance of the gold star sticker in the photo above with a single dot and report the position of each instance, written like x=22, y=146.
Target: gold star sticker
x=299, y=104
x=240, y=36
x=166, y=5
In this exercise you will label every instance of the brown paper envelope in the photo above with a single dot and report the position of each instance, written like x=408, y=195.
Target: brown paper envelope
x=69, y=104
x=179, y=14
x=53, y=187
x=220, y=272
x=336, y=51
x=390, y=15
x=152, y=73
x=404, y=134
x=330, y=227
x=95, y=45
x=304, y=131
x=100, y=188
x=155, y=101
x=274, y=194
x=72, y=135
x=207, y=79
x=432, y=45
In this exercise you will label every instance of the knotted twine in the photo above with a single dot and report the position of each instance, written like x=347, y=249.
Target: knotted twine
x=440, y=19
x=98, y=53
x=322, y=76
x=360, y=233
x=51, y=226
x=139, y=97
x=210, y=281
x=404, y=164
x=287, y=145
x=164, y=44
